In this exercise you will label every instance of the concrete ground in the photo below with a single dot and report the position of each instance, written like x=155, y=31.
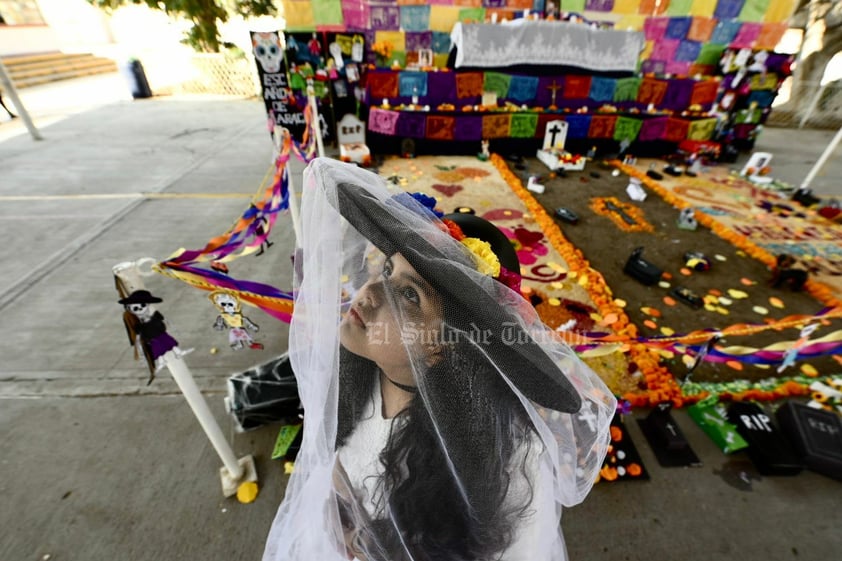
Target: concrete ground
x=98, y=465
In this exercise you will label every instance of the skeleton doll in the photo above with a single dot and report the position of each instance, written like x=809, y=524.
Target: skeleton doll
x=147, y=330
x=231, y=316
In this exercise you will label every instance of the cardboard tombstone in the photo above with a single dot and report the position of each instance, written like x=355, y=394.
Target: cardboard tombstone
x=816, y=435
x=768, y=448
x=351, y=134
x=668, y=442
x=552, y=153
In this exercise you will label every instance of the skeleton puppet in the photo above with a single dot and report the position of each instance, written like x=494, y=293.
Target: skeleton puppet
x=231, y=316
x=147, y=330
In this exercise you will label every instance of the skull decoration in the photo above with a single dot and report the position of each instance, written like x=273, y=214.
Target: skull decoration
x=267, y=50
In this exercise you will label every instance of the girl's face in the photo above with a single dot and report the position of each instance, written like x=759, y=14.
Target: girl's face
x=394, y=313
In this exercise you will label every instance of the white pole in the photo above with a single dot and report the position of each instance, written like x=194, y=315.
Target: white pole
x=824, y=157
x=235, y=471
x=9, y=88
x=187, y=385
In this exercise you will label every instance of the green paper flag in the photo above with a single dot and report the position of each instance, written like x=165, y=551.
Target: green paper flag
x=754, y=10
x=523, y=125
x=710, y=53
x=626, y=89
x=472, y=14
x=497, y=83
x=627, y=128
x=702, y=129
x=679, y=7
x=328, y=12
x=573, y=5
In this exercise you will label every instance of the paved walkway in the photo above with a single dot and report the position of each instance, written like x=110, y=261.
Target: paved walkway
x=97, y=465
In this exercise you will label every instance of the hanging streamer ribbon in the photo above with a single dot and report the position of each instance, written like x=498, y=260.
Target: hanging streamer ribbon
x=247, y=235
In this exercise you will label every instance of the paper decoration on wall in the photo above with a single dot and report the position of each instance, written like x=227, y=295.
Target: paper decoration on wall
x=415, y=41
x=599, y=5
x=577, y=87
x=653, y=129
x=652, y=7
x=441, y=42
x=725, y=31
x=523, y=88
x=469, y=128
x=382, y=121
x=651, y=91
x=701, y=29
x=688, y=51
x=754, y=10
x=703, y=8
x=411, y=124
x=442, y=18
x=471, y=15
x=664, y=49
x=415, y=18
x=578, y=126
x=780, y=11
x=440, y=128
x=469, y=84
x=655, y=28
x=626, y=128
x=495, y=126
x=497, y=82
x=679, y=7
x=728, y=9
x=626, y=89
x=383, y=85
x=356, y=15
x=412, y=84
x=602, y=126
x=678, y=27
x=704, y=92
x=676, y=130
x=384, y=17
x=747, y=35
x=702, y=129
x=298, y=16
x=327, y=14
x=602, y=89
x=523, y=125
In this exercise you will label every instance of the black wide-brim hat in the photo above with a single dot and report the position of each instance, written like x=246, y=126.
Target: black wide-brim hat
x=516, y=353
x=140, y=297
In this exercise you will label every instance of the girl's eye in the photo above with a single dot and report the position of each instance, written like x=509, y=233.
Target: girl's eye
x=387, y=268
x=410, y=294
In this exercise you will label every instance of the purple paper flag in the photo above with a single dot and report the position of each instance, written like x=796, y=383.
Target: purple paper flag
x=653, y=129
x=411, y=124
x=385, y=17
x=468, y=128
x=599, y=5
x=418, y=40
x=678, y=94
x=653, y=66
x=441, y=87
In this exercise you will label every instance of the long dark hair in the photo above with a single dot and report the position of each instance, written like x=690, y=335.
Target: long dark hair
x=434, y=511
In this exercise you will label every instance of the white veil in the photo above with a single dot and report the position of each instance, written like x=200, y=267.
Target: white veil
x=498, y=425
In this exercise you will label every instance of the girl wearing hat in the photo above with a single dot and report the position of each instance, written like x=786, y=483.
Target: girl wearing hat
x=443, y=420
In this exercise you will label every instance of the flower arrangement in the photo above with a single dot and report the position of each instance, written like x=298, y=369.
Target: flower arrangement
x=383, y=49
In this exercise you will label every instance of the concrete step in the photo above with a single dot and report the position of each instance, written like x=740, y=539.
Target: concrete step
x=32, y=70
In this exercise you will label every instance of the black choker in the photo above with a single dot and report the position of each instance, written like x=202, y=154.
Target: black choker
x=404, y=387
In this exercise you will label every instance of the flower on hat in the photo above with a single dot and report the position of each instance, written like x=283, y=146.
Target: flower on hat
x=486, y=261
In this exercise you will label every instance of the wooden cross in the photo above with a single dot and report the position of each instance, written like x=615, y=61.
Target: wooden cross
x=554, y=88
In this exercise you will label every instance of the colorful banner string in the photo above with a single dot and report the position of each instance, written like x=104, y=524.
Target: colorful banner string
x=247, y=235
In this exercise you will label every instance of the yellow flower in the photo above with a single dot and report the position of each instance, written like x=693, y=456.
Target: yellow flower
x=486, y=260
